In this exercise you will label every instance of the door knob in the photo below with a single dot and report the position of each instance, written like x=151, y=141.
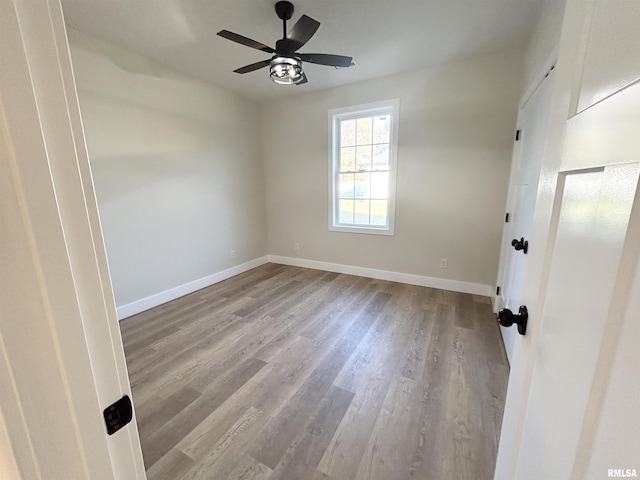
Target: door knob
x=506, y=318
x=521, y=244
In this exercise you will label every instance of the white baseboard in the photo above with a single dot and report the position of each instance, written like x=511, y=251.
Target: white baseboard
x=421, y=280
x=162, y=297
x=151, y=301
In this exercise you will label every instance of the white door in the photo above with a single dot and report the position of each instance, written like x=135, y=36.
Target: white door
x=574, y=388
x=523, y=185
x=61, y=356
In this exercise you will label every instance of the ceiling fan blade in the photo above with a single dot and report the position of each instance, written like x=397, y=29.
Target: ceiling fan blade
x=253, y=66
x=304, y=79
x=302, y=32
x=326, y=59
x=234, y=37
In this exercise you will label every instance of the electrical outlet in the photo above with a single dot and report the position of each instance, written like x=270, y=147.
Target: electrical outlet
x=296, y=246
x=444, y=263
x=232, y=253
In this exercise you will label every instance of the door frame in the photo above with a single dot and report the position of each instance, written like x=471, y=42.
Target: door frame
x=53, y=207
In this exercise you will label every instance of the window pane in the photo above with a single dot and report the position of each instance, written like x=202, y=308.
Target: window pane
x=381, y=128
x=379, y=212
x=363, y=158
x=348, y=159
x=361, y=216
x=345, y=212
x=347, y=133
x=362, y=185
x=380, y=185
x=362, y=166
x=380, y=157
x=346, y=188
x=364, y=129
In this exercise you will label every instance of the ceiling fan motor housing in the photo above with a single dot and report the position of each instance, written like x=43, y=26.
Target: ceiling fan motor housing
x=283, y=49
x=284, y=10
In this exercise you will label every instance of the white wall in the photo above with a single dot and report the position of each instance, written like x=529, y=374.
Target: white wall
x=455, y=140
x=544, y=39
x=177, y=168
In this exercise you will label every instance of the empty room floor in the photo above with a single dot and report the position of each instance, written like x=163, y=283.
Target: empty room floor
x=291, y=373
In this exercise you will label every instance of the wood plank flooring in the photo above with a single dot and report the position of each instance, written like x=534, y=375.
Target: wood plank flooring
x=292, y=373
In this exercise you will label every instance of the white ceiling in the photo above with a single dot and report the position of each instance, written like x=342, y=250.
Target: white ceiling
x=384, y=37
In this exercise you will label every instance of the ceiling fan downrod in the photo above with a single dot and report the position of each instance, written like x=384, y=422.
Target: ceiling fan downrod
x=284, y=10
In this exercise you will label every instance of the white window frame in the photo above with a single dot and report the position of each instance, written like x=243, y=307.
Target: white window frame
x=336, y=115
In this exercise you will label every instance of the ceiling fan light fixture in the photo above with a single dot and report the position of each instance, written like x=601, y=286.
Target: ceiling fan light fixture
x=286, y=71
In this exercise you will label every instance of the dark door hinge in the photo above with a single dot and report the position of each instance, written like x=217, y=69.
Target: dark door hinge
x=497, y=290
x=518, y=132
x=506, y=218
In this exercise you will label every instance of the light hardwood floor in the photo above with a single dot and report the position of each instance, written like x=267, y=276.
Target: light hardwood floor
x=292, y=373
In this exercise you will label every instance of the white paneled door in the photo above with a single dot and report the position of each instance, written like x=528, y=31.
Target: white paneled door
x=61, y=356
x=523, y=186
x=573, y=392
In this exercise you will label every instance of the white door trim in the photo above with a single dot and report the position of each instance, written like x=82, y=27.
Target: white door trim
x=60, y=347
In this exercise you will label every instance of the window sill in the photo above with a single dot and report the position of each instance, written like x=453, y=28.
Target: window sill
x=365, y=230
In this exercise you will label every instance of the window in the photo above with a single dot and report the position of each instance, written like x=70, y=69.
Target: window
x=363, y=141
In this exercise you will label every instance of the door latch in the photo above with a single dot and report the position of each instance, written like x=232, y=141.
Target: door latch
x=506, y=318
x=521, y=244
x=118, y=414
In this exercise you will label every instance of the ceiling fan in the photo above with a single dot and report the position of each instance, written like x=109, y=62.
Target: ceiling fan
x=286, y=63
